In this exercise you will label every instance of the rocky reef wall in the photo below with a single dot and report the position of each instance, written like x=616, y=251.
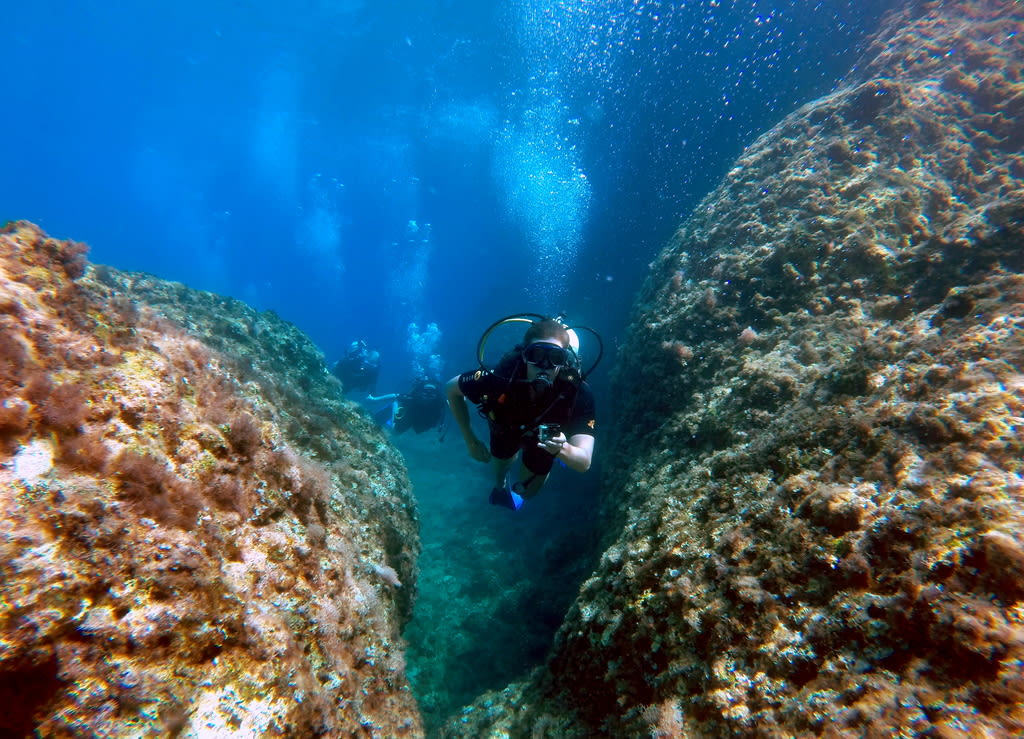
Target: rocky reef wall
x=198, y=535
x=816, y=480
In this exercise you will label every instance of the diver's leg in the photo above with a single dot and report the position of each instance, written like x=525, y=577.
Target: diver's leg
x=501, y=493
x=503, y=447
x=530, y=482
x=501, y=468
x=503, y=451
x=534, y=469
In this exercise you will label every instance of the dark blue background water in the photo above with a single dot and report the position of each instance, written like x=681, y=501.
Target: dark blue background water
x=292, y=155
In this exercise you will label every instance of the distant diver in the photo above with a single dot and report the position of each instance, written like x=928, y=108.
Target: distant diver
x=535, y=400
x=420, y=409
x=359, y=368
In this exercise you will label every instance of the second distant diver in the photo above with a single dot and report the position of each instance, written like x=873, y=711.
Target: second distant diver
x=536, y=403
x=359, y=368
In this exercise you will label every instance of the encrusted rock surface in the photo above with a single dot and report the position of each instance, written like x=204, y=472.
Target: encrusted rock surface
x=817, y=476
x=198, y=535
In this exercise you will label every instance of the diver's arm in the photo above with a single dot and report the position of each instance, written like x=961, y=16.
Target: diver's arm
x=460, y=412
x=457, y=402
x=576, y=452
x=375, y=398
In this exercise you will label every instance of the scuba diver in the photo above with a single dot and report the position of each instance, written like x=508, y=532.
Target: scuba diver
x=420, y=409
x=535, y=401
x=359, y=368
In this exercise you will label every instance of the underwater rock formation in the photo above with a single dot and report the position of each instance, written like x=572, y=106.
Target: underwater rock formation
x=198, y=535
x=817, y=471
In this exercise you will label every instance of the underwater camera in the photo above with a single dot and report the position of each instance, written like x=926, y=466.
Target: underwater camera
x=548, y=431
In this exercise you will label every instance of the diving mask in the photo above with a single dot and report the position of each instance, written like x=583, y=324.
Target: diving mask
x=545, y=356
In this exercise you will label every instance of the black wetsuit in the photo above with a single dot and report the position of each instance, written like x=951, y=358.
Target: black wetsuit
x=421, y=409
x=358, y=370
x=514, y=409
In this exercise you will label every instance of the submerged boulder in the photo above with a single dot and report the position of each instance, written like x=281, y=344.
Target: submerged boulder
x=816, y=480
x=198, y=535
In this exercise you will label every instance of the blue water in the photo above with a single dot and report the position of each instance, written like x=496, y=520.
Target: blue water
x=358, y=166
x=368, y=169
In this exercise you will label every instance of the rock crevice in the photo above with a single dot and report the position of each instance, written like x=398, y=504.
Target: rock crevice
x=816, y=478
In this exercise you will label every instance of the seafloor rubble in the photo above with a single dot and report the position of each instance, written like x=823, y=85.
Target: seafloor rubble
x=198, y=535
x=817, y=471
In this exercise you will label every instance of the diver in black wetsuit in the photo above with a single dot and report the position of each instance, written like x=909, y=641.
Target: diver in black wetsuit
x=535, y=401
x=420, y=409
x=359, y=368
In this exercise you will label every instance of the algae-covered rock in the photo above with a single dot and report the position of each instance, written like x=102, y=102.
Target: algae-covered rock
x=817, y=472
x=198, y=535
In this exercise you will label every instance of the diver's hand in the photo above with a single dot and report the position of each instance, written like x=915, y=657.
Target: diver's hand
x=478, y=450
x=554, y=445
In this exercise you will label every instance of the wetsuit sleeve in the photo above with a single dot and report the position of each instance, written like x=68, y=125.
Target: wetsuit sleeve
x=583, y=420
x=474, y=385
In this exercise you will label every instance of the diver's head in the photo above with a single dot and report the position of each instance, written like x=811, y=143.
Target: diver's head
x=545, y=353
x=544, y=360
x=547, y=329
